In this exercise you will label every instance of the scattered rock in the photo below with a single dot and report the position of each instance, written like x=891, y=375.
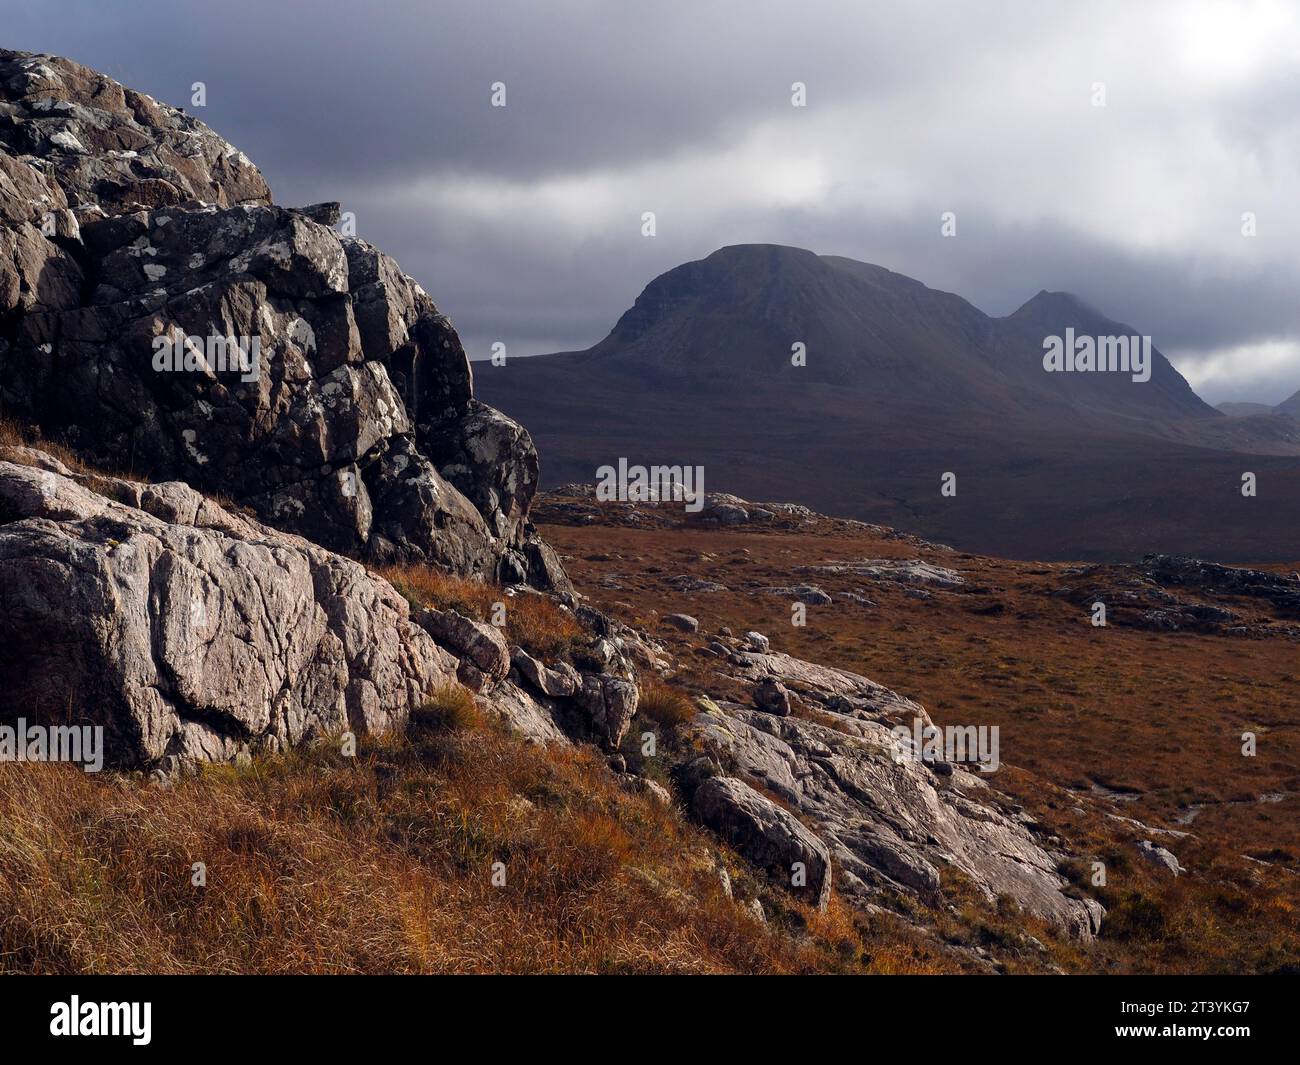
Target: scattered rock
x=656, y=791
x=683, y=622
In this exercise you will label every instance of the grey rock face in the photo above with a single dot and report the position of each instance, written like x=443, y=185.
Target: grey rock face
x=307, y=377
x=109, y=149
x=767, y=835
x=188, y=632
x=890, y=822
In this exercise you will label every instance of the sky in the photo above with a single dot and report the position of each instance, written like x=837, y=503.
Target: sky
x=1111, y=150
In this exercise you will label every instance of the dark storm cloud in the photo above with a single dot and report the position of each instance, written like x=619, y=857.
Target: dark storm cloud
x=523, y=222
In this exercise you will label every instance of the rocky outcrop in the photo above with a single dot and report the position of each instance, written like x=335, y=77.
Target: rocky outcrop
x=892, y=571
x=158, y=313
x=192, y=633
x=188, y=632
x=891, y=822
x=1283, y=592
x=1168, y=593
x=1160, y=857
x=801, y=593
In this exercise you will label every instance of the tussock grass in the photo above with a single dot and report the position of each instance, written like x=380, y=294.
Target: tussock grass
x=665, y=705
x=450, y=706
x=14, y=434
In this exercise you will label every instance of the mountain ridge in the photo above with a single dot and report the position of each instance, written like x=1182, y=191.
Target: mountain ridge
x=901, y=384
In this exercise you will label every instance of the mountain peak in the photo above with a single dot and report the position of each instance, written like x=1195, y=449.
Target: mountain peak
x=1048, y=302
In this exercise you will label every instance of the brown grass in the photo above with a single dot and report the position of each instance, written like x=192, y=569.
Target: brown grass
x=450, y=706
x=665, y=705
x=536, y=623
x=383, y=863
x=14, y=434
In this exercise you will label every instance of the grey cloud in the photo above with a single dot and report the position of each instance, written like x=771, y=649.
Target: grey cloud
x=363, y=103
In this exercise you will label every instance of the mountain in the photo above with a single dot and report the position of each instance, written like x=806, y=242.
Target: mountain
x=1289, y=406
x=740, y=310
x=902, y=384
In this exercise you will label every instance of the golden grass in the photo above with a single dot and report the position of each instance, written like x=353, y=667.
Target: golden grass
x=536, y=623
x=14, y=434
x=665, y=705
x=450, y=706
x=381, y=863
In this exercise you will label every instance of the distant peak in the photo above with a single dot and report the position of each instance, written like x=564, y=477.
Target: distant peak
x=1046, y=301
x=761, y=251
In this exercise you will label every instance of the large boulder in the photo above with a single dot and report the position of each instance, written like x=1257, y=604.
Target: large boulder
x=188, y=632
x=770, y=837
x=160, y=315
